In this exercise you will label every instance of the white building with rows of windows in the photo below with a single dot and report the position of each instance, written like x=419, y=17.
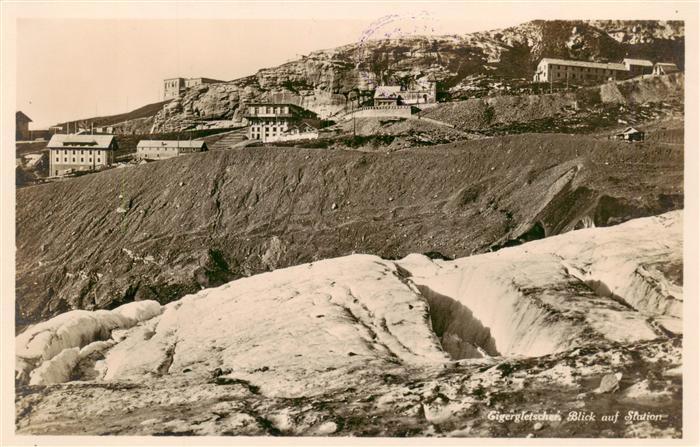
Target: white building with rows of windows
x=586, y=73
x=578, y=72
x=162, y=149
x=279, y=122
x=70, y=153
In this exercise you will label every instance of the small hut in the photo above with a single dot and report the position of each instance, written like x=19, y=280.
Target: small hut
x=630, y=134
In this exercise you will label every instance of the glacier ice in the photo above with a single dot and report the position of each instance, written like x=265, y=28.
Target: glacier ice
x=298, y=330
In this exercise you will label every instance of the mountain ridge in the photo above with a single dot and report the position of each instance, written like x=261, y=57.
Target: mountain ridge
x=327, y=81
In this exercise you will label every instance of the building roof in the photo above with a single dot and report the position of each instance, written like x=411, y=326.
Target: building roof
x=21, y=116
x=59, y=141
x=629, y=130
x=204, y=79
x=642, y=62
x=607, y=66
x=312, y=122
x=387, y=91
x=274, y=104
x=667, y=64
x=190, y=144
x=306, y=122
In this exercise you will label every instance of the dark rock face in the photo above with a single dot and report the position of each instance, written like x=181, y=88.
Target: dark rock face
x=201, y=220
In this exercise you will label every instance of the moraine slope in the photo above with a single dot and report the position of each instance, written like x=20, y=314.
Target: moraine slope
x=165, y=229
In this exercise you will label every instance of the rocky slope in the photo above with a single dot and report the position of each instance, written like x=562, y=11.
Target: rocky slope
x=634, y=102
x=165, y=229
x=329, y=80
x=139, y=120
x=587, y=321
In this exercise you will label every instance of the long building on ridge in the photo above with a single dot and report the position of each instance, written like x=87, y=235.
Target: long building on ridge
x=162, y=149
x=578, y=72
x=586, y=73
x=71, y=153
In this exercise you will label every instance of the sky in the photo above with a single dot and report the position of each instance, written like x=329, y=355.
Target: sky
x=70, y=69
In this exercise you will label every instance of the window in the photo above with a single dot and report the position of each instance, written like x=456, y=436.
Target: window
x=99, y=159
x=89, y=160
x=65, y=159
x=73, y=151
x=57, y=159
x=73, y=159
x=82, y=160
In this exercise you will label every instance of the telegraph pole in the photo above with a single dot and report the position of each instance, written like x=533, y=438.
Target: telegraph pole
x=354, y=119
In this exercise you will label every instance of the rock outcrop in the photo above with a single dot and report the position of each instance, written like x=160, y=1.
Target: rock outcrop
x=299, y=351
x=589, y=109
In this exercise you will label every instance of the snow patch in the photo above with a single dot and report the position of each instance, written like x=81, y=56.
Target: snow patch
x=56, y=370
x=42, y=342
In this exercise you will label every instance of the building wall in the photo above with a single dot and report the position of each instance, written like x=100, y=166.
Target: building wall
x=269, y=111
x=551, y=72
x=192, y=150
x=61, y=160
x=265, y=128
x=294, y=136
x=156, y=153
x=381, y=111
x=22, y=132
x=266, y=121
x=172, y=87
x=193, y=82
x=385, y=102
x=421, y=96
x=162, y=153
x=638, y=70
x=412, y=96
